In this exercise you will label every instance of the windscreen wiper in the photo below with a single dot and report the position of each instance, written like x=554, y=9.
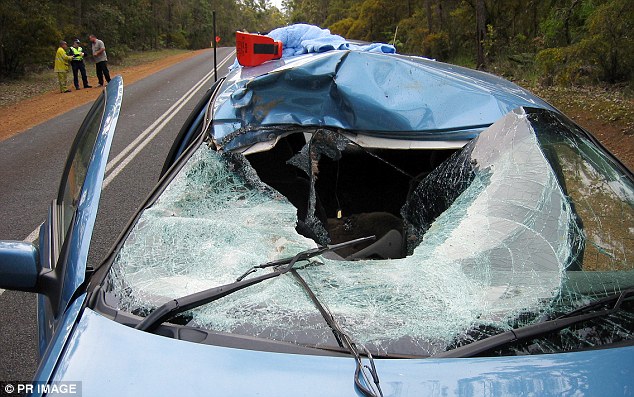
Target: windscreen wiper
x=581, y=314
x=366, y=379
x=188, y=302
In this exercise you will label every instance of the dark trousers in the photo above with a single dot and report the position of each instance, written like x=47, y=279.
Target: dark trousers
x=102, y=71
x=79, y=66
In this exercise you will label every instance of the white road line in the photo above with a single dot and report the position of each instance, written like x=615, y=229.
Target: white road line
x=158, y=129
x=33, y=235
x=148, y=134
x=184, y=99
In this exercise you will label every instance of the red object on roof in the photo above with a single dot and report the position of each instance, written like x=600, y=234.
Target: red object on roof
x=255, y=49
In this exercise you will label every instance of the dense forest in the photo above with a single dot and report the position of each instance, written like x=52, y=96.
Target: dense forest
x=557, y=41
x=562, y=41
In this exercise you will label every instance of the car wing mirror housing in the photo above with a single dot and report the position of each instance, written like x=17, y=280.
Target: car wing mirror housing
x=19, y=266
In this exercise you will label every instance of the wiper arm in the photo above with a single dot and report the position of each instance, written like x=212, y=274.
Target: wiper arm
x=535, y=330
x=366, y=379
x=306, y=255
x=188, y=302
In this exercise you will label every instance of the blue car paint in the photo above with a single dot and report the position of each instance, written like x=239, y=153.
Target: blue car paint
x=84, y=221
x=45, y=323
x=44, y=319
x=384, y=95
x=50, y=357
x=20, y=263
x=125, y=361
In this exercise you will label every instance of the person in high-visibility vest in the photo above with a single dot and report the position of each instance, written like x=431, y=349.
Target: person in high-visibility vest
x=78, y=64
x=62, y=61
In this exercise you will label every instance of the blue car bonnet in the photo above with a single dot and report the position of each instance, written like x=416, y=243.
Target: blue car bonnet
x=385, y=95
x=111, y=359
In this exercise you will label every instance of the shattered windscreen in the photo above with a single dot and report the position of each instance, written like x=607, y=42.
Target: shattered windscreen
x=526, y=218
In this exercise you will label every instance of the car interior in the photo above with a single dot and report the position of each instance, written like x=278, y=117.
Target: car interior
x=360, y=192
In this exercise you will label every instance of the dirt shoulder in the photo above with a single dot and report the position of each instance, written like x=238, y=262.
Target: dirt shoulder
x=24, y=114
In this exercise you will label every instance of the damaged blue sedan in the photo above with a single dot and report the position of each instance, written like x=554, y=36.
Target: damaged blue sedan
x=356, y=223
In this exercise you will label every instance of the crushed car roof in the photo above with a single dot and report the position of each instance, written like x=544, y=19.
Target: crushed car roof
x=384, y=95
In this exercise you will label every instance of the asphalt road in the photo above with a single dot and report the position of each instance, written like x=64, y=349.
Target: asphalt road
x=31, y=164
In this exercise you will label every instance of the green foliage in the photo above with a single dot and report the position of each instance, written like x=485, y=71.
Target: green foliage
x=552, y=64
x=342, y=27
x=565, y=22
x=26, y=41
x=259, y=16
x=108, y=22
x=138, y=30
x=461, y=28
x=490, y=41
x=341, y=10
x=118, y=52
x=412, y=34
x=604, y=53
x=200, y=26
x=308, y=11
x=610, y=44
x=177, y=39
x=436, y=45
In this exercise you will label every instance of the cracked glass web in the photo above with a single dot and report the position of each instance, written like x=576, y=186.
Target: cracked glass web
x=491, y=234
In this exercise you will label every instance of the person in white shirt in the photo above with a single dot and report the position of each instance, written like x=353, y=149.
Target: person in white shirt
x=101, y=59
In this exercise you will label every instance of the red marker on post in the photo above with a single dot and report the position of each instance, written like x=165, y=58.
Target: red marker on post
x=255, y=49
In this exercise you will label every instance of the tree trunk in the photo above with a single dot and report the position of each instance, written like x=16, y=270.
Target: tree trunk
x=430, y=25
x=170, y=27
x=567, y=21
x=441, y=23
x=480, y=32
x=78, y=12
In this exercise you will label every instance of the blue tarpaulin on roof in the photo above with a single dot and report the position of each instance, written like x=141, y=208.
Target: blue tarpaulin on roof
x=303, y=39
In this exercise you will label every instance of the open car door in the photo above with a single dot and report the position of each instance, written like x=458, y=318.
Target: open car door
x=55, y=268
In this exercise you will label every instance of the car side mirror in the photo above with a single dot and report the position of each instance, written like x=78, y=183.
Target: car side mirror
x=19, y=266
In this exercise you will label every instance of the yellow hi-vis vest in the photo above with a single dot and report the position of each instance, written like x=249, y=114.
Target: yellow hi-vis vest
x=78, y=53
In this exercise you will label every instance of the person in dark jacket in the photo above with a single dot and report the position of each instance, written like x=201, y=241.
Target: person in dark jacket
x=78, y=64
